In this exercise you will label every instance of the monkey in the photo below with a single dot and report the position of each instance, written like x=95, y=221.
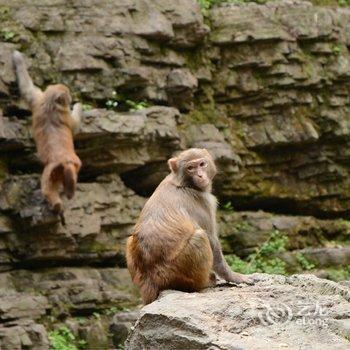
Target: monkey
x=53, y=125
x=174, y=244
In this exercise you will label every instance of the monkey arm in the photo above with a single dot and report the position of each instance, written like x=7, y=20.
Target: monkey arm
x=76, y=115
x=220, y=265
x=28, y=90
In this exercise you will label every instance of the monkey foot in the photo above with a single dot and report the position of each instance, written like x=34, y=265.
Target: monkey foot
x=238, y=278
x=248, y=280
x=63, y=219
x=57, y=208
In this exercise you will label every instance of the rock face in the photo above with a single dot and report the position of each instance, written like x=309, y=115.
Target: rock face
x=264, y=87
x=18, y=327
x=272, y=80
x=298, y=312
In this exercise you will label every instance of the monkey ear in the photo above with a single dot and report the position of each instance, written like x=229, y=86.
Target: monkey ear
x=172, y=162
x=62, y=98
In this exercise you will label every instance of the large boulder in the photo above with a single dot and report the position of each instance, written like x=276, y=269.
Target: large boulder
x=297, y=312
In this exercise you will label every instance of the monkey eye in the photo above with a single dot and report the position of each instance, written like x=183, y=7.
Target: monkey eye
x=203, y=164
x=190, y=168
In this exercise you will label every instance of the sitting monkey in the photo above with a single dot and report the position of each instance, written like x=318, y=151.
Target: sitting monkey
x=175, y=244
x=52, y=127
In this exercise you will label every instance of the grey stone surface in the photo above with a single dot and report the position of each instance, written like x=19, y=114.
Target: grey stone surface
x=98, y=221
x=296, y=312
x=19, y=313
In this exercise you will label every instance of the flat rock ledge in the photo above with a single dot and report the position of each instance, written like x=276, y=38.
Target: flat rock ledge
x=297, y=312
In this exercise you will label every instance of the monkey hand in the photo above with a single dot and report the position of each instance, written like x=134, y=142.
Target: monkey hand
x=77, y=114
x=78, y=109
x=17, y=58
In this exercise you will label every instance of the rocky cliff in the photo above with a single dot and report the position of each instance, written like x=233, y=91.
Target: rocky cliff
x=264, y=87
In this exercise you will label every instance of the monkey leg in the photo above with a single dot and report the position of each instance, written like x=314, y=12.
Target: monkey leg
x=149, y=292
x=50, y=188
x=69, y=179
x=189, y=270
x=212, y=279
x=140, y=274
x=192, y=268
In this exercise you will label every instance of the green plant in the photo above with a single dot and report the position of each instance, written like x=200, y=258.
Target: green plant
x=272, y=266
x=136, y=106
x=263, y=260
x=112, y=102
x=237, y=264
x=82, y=344
x=340, y=274
x=87, y=107
x=343, y=2
x=96, y=315
x=114, y=309
x=228, y=206
x=304, y=263
x=7, y=35
x=276, y=243
x=336, y=50
x=243, y=226
x=111, y=311
x=62, y=339
x=81, y=320
x=205, y=6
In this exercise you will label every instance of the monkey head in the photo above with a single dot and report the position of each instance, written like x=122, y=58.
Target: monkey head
x=194, y=168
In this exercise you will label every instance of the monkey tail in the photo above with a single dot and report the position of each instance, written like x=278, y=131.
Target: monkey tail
x=69, y=179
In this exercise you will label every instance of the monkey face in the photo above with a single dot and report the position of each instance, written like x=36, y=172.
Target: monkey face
x=194, y=168
x=196, y=172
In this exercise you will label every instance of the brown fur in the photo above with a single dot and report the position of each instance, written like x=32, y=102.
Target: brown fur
x=52, y=129
x=174, y=244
